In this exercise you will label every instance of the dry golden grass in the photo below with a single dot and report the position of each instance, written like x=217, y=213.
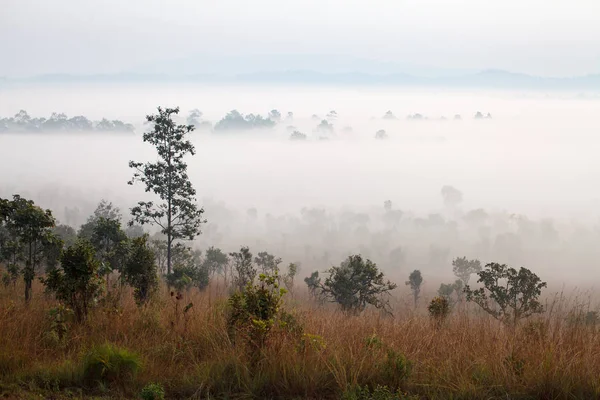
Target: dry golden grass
x=469, y=357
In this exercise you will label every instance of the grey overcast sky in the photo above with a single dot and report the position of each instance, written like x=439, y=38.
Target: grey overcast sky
x=541, y=37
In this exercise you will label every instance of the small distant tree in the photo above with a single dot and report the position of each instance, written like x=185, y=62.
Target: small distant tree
x=297, y=135
x=268, y=263
x=452, y=292
x=389, y=115
x=325, y=127
x=463, y=268
x=381, y=134
x=178, y=215
x=105, y=209
x=289, y=277
x=215, y=261
x=355, y=284
x=140, y=270
x=194, y=117
x=387, y=206
x=66, y=233
x=451, y=196
x=397, y=257
x=274, y=115
x=243, y=268
x=77, y=282
x=507, y=294
x=415, y=280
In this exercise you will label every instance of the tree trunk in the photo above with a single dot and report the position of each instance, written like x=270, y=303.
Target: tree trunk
x=28, y=274
x=169, y=216
x=169, y=251
x=27, y=290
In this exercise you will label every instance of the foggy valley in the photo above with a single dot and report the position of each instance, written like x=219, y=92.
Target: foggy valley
x=531, y=168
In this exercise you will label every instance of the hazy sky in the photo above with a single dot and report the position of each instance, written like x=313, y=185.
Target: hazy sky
x=543, y=37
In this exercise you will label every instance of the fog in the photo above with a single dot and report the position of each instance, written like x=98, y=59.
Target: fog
x=533, y=167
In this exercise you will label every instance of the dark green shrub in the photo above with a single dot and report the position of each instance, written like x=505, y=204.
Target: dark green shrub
x=268, y=263
x=140, y=270
x=109, y=364
x=76, y=282
x=439, y=309
x=153, y=391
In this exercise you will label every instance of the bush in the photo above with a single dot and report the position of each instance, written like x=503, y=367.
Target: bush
x=153, y=391
x=439, y=309
x=77, y=283
x=355, y=284
x=394, y=368
x=58, y=318
x=109, y=364
x=254, y=311
x=141, y=271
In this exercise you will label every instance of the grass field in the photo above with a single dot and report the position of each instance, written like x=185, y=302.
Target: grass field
x=328, y=355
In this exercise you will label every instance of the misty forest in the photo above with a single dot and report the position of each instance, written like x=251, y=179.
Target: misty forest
x=366, y=251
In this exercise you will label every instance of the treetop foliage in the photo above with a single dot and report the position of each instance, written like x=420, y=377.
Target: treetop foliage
x=234, y=120
x=77, y=281
x=59, y=122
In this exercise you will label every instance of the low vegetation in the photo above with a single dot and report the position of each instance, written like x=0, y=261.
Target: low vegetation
x=238, y=346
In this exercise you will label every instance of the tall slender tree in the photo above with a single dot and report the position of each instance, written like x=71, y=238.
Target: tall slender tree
x=177, y=213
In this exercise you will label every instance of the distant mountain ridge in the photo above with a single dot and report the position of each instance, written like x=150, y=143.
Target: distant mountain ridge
x=484, y=79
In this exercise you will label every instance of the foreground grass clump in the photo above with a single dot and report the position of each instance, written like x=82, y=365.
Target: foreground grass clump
x=153, y=391
x=108, y=364
x=333, y=355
